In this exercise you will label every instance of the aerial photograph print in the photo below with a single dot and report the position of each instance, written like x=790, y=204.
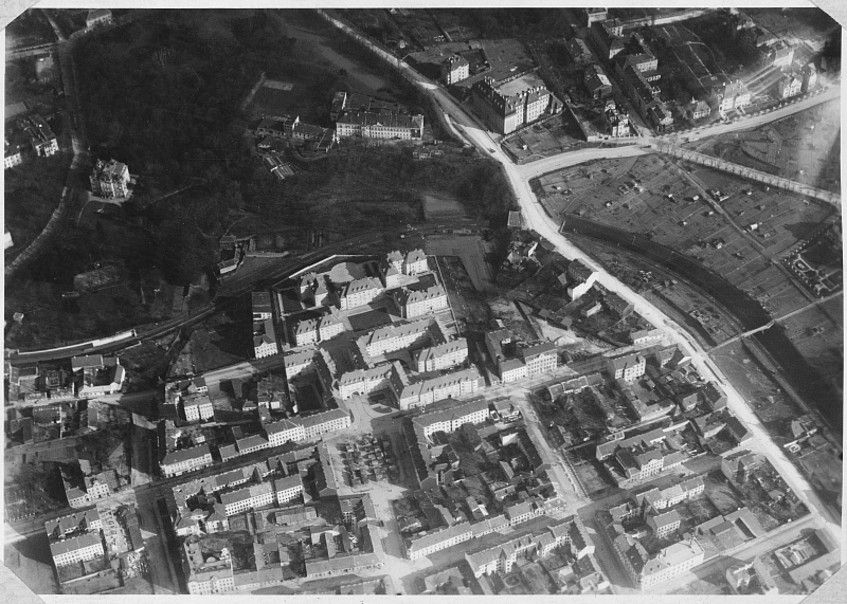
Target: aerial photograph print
x=418, y=300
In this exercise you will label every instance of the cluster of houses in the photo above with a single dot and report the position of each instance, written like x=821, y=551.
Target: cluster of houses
x=90, y=376
x=514, y=362
x=91, y=543
x=636, y=68
x=520, y=494
x=655, y=542
x=297, y=429
x=89, y=483
x=281, y=505
x=75, y=538
x=410, y=358
x=29, y=134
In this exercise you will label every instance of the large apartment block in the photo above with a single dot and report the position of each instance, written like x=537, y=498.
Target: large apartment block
x=450, y=420
x=628, y=367
x=186, y=460
x=452, y=385
x=416, y=303
x=442, y=356
x=361, y=382
x=508, y=106
x=540, y=358
x=284, y=431
x=396, y=337
x=360, y=292
x=79, y=548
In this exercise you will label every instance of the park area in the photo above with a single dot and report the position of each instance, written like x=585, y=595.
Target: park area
x=804, y=147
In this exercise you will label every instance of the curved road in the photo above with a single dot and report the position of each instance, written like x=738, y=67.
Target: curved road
x=538, y=220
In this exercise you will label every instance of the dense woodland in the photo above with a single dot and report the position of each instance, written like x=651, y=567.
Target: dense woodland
x=165, y=97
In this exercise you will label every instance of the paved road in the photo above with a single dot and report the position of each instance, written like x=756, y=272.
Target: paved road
x=754, y=121
x=537, y=219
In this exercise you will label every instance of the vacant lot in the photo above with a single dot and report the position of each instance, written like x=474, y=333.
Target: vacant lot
x=441, y=207
x=773, y=406
x=555, y=135
x=818, y=335
x=466, y=301
x=472, y=252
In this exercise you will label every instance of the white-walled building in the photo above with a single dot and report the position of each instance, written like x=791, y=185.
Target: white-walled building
x=395, y=337
x=360, y=292
x=628, y=367
x=361, y=382
x=455, y=68
x=186, y=460
x=442, y=356
x=450, y=420
x=79, y=548
x=416, y=303
x=451, y=385
x=306, y=332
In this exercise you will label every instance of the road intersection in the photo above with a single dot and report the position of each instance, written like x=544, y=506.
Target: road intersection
x=538, y=220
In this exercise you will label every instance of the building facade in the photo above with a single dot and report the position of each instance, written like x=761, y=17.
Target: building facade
x=442, y=356
x=455, y=69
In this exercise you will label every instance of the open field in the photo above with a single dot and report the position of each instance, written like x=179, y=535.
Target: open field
x=804, y=147
x=441, y=207
x=472, y=252
x=817, y=334
x=649, y=196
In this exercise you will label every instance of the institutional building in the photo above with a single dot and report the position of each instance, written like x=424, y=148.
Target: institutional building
x=380, y=125
x=507, y=106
